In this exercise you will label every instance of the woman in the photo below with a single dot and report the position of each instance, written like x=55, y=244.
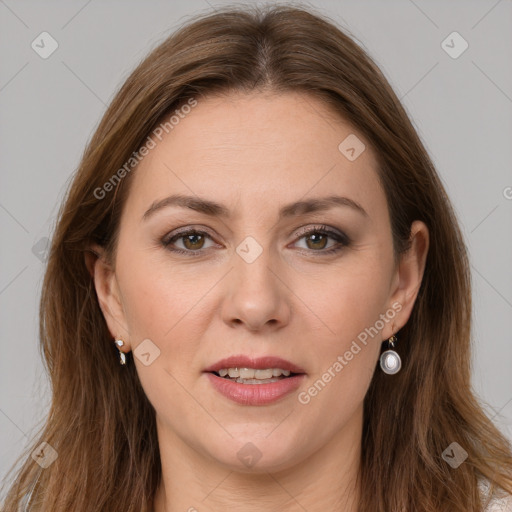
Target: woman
x=257, y=295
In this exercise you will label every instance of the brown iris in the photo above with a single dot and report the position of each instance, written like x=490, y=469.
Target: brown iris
x=193, y=241
x=319, y=238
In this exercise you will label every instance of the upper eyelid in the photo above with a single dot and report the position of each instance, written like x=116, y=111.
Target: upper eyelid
x=298, y=233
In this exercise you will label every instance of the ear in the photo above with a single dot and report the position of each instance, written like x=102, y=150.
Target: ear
x=107, y=291
x=408, y=277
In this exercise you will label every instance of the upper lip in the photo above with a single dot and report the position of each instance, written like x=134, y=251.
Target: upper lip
x=242, y=361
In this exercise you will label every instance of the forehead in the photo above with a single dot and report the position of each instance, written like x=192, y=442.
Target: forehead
x=256, y=147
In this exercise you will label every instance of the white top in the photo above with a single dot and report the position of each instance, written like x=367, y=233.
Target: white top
x=500, y=505
x=501, y=501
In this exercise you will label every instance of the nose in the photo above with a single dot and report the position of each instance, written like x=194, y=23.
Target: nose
x=255, y=296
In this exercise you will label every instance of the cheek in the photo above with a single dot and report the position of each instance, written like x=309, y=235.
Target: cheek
x=167, y=307
x=157, y=297
x=347, y=300
x=352, y=307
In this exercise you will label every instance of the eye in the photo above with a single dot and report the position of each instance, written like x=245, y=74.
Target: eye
x=193, y=241
x=317, y=239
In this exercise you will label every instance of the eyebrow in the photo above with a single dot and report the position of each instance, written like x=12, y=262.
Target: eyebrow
x=215, y=209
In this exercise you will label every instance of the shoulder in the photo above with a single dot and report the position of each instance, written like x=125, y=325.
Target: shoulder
x=500, y=501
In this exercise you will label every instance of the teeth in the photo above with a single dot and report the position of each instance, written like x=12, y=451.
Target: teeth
x=262, y=374
x=257, y=381
x=251, y=373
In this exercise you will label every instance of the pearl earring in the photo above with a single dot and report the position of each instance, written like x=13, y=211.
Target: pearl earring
x=390, y=361
x=122, y=355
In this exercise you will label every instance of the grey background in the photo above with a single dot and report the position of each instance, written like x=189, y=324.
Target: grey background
x=461, y=108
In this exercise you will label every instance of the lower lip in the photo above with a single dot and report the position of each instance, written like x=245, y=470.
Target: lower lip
x=255, y=394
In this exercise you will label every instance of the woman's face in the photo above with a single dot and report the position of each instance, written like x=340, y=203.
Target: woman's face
x=279, y=269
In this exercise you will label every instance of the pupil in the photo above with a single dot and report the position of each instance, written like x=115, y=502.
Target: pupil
x=318, y=238
x=189, y=239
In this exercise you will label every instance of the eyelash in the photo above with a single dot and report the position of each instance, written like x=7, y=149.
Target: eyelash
x=342, y=239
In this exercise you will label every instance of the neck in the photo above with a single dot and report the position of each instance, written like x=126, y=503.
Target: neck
x=326, y=480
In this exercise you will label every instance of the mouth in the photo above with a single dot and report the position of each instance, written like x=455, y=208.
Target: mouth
x=254, y=381
x=254, y=375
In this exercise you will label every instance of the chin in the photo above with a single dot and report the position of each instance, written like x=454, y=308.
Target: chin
x=256, y=455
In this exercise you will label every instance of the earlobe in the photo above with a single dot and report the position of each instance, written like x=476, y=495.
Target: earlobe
x=107, y=290
x=410, y=272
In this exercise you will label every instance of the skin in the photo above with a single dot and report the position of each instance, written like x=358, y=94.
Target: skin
x=255, y=153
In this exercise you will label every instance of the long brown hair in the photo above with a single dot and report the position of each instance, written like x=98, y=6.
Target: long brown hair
x=100, y=422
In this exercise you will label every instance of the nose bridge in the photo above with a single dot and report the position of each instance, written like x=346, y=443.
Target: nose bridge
x=256, y=294
x=253, y=263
